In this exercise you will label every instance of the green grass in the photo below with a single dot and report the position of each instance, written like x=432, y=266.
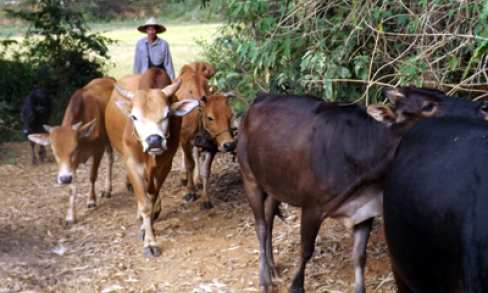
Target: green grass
x=181, y=39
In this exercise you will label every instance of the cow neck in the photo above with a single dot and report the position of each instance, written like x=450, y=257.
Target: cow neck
x=202, y=126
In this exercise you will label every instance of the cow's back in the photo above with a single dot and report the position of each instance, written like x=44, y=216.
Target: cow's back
x=154, y=78
x=115, y=119
x=435, y=203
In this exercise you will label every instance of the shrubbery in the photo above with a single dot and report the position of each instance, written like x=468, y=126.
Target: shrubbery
x=350, y=50
x=56, y=54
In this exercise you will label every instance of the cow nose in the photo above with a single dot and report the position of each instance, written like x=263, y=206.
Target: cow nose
x=229, y=146
x=65, y=179
x=154, y=141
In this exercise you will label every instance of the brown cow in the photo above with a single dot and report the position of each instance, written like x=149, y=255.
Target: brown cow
x=211, y=121
x=329, y=159
x=80, y=136
x=205, y=69
x=144, y=126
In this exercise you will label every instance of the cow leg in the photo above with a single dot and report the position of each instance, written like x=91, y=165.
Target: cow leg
x=271, y=206
x=183, y=171
x=361, y=236
x=92, y=200
x=197, y=180
x=206, y=168
x=309, y=227
x=42, y=153
x=190, y=165
x=401, y=285
x=34, y=158
x=256, y=196
x=106, y=193
x=145, y=211
x=70, y=215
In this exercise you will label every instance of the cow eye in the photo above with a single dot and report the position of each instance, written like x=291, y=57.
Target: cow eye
x=484, y=108
x=210, y=119
x=429, y=107
x=134, y=118
x=76, y=148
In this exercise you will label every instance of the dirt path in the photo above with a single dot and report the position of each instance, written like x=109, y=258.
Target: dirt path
x=202, y=251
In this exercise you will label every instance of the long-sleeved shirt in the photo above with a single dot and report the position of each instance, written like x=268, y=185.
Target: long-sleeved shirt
x=159, y=52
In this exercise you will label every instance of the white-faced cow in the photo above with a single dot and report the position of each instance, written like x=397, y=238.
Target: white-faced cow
x=330, y=160
x=210, y=123
x=35, y=112
x=80, y=136
x=144, y=126
x=435, y=207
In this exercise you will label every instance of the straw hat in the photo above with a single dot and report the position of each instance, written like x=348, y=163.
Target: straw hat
x=152, y=22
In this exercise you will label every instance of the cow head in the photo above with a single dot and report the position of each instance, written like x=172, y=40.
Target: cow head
x=424, y=103
x=216, y=116
x=150, y=111
x=64, y=141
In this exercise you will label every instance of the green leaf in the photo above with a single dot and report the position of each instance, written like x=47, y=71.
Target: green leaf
x=453, y=63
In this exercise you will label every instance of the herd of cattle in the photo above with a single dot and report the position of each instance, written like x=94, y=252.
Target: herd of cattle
x=420, y=162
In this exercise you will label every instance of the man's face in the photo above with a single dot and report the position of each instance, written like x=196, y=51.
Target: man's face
x=151, y=32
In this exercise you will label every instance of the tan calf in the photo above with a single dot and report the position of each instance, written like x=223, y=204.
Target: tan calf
x=80, y=136
x=144, y=126
x=211, y=121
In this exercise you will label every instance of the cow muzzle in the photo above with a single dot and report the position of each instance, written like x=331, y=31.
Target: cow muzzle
x=229, y=146
x=67, y=179
x=155, y=144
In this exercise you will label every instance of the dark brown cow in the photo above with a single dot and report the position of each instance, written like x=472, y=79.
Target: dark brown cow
x=211, y=121
x=144, y=126
x=80, y=136
x=329, y=159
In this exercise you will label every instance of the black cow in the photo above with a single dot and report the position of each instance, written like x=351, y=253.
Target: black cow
x=330, y=160
x=35, y=112
x=436, y=207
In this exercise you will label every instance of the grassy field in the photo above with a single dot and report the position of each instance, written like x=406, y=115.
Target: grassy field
x=181, y=39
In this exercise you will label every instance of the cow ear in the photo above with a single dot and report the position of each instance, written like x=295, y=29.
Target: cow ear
x=213, y=89
x=86, y=129
x=47, y=128
x=382, y=114
x=184, y=107
x=394, y=95
x=40, y=138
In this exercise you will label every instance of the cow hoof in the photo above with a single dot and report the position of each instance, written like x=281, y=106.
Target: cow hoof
x=152, y=251
x=106, y=194
x=190, y=197
x=142, y=234
x=360, y=290
x=91, y=205
x=266, y=289
x=156, y=215
x=206, y=205
x=184, y=182
x=129, y=187
x=69, y=223
x=296, y=290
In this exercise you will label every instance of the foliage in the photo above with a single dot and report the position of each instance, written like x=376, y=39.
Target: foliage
x=57, y=54
x=350, y=50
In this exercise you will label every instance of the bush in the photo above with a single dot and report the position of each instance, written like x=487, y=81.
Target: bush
x=57, y=55
x=350, y=50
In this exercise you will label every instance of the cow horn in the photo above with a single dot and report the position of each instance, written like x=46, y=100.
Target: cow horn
x=123, y=92
x=170, y=89
x=230, y=95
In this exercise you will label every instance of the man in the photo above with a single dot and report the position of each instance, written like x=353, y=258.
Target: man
x=152, y=51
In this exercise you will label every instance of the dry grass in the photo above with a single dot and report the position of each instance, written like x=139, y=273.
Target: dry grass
x=202, y=251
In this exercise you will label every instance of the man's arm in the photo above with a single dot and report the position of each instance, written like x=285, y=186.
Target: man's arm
x=137, y=61
x=168, y=62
